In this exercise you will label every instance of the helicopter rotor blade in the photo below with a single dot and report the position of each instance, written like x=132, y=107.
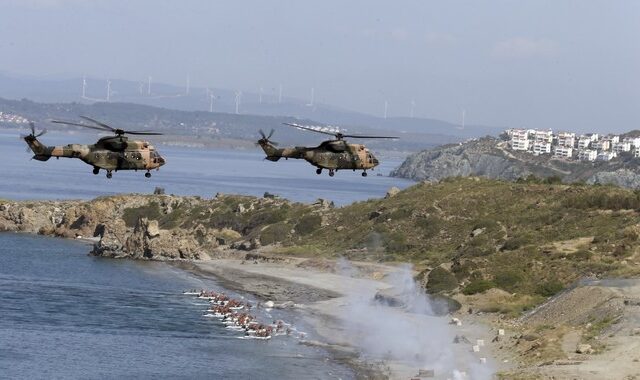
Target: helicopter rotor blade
x=99, y=123
x=262, y=134
x=145, y=133
x=271, y=133
x=369, y=137
x=42, y=132
x=310, y=129
x=32, y=125
x=81, y=125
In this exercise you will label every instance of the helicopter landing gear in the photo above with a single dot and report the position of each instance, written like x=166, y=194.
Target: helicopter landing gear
x=364, y=174
x=147, y=174
x=331, y=173
x=319, y=171
x=109, y=174
x=96, y=170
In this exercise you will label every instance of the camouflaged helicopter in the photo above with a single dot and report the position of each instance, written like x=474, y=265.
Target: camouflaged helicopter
x=111, y=153
x=333, y=155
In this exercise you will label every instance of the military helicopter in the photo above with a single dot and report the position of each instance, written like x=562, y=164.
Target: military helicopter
x=332, y=155
x=111, y=153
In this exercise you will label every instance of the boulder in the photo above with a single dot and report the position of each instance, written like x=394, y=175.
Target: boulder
x=584, y=349
x=392, y=192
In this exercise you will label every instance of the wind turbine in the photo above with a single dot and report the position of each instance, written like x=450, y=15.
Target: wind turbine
x=313, y=93
x=238, y=98
x=149, y=86
x=211, y=97
x=413, y=107
x=84, y=87
x=260, y=98
x=108, y=90
x=386, y=107
x=280, y=94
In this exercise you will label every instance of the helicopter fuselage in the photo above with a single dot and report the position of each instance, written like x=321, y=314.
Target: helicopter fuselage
x=331, y=155
x=109, y=153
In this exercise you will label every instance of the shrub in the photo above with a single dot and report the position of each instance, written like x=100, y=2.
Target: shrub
x=150, y=211
x=478, y=286
x=274, y=233
x=514, y=243
x=549, y=288
x=308, y=224
x=441, y=280
x=508, y=280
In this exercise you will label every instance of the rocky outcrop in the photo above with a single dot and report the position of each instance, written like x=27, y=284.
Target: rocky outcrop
x=491, y=158
x=158, y=227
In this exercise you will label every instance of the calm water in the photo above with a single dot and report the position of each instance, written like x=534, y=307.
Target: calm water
x=188, y=172
x=64, y=314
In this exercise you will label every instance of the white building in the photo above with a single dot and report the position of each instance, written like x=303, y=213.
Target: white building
x=543, y=136
x=563, y=151
x=584, y=142
x=613, y=138
x=622, y=147
x=636, y=152
x=634, y=141
x=587, y=155
x=518, y=134
x=566, y=139
x=520, y=144
x=606, y=156
x=541, y=148
x=601, y=145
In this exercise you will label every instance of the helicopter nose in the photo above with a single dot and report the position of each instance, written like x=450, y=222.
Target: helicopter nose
x=160, y=161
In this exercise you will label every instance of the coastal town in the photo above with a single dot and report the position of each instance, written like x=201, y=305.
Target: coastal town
x=570, y=146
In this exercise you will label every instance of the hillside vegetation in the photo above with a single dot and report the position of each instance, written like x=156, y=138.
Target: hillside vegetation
x=530, y=238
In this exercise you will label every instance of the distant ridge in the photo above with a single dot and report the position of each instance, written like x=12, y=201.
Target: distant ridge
x=199, y=99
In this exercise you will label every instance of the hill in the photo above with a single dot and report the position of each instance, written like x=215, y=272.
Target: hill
x=199, y=99
x=528, y=239
x=490, y=157
x=205, y=128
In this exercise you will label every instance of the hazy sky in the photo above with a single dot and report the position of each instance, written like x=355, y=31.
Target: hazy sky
x=558, y=64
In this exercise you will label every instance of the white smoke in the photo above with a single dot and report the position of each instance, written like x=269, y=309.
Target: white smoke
x=412, y=335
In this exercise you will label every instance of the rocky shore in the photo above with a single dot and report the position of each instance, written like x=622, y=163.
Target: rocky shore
x=158, y=227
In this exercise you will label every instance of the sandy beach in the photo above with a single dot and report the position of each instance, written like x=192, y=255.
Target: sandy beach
x=378, y=340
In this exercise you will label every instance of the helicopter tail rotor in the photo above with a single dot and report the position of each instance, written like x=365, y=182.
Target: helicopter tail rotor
x=33, y=135
x=266, y=138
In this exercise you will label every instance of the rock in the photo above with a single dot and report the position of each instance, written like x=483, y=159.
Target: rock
x=240, y=209
x=158, y=191
x=584, y=349
x=324, y=203
x=339, y=228
x=269, y=304
x=392, y=192
x=635, y=331
x=153, y=229
x=284, y=305
x=374, y=214
x=477, y=232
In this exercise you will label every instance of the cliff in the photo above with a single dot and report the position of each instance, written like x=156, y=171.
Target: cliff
x=491, y=158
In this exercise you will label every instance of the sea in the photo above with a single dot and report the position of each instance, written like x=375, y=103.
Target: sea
x=65, y=314
x=189, y=171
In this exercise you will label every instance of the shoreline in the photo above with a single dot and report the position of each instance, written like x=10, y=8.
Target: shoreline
x=323, y=298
